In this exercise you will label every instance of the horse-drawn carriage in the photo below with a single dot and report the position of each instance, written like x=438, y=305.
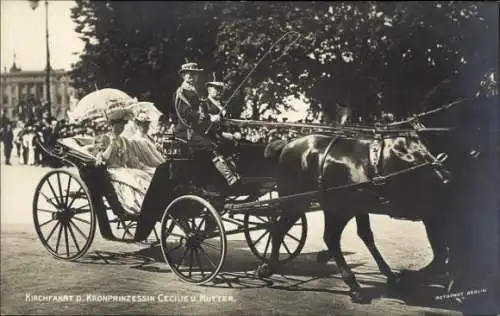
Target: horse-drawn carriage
x=66, y=215
x=332, y=167
x=194, y=227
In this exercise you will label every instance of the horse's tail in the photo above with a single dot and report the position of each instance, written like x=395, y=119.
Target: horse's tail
x=273, y=149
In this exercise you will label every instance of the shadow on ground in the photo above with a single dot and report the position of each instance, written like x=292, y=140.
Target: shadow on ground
x=301, y=274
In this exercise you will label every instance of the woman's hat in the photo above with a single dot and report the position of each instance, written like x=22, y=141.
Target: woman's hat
x=190, y=67
x=215, y=82
x=117, y=110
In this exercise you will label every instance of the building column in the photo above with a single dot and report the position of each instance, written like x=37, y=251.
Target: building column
x=44, y=90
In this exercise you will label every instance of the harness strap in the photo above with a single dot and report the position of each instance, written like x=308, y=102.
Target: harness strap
x=375, y=153
x=322, y=170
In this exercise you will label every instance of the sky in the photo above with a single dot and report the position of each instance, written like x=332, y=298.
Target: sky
x=23, y=33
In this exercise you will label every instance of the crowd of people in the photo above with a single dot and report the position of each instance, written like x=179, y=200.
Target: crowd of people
x=23, y=139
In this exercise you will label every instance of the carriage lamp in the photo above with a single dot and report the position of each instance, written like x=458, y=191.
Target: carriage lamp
x=171, y=147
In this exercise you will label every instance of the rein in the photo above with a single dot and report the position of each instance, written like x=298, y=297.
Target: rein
x=342, y=129
x=312, y=194
x=427, y=113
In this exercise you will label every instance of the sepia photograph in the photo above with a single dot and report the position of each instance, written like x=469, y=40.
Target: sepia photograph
x=249, y=158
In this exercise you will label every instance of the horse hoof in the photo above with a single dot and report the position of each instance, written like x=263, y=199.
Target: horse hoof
x=263, y=271
x=323, y=256
x=393, y=285
x=358, y=298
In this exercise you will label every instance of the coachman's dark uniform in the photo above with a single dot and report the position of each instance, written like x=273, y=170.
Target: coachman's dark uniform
x=192, y=120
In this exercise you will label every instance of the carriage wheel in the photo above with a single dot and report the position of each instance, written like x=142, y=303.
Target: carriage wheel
x=193, y=239
x=63, y=214
x=258, y=236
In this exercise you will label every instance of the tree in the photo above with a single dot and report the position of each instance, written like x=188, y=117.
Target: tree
x=400, y=57
x=366, y=55
x=138, y=47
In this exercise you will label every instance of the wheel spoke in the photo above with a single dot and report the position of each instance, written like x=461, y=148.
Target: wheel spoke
x=209, y=245
x=263, y=220
x=286, y=247
x=267, y=246
x=177, y=235
x=178, y=223
x=208, y=257
x=156, y=234
x=73, y=199
x=262, y=236
x=191, y=262
x=182, y=259
x=53, y=192
x=66, y=239
x=52, y=231
x=124, y=231
x=60, y=188
x=50, y=220
x=199, y=262
x=67, y=191
x=78, y=229
x=73, y=237
x=46, y=211
x=176, y=247
x=81, y=220
x=293, y=237
x=82, y=207
x=200, y=224
x=49, y=200
x=80, y=211
x=59, y=238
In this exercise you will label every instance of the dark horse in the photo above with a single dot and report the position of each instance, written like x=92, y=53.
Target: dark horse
x=471, y=200
x=320, y=162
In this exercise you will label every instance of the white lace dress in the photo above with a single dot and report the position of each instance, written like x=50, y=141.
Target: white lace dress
x=131, y=165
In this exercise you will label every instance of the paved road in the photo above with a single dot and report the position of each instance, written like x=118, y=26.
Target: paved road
x=303, y=288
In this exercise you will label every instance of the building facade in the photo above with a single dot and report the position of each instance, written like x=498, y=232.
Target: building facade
x=26, y=89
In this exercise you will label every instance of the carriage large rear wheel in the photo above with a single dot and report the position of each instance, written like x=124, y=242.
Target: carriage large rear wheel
x=193, y=239
x=258, y=237
x=63, y=215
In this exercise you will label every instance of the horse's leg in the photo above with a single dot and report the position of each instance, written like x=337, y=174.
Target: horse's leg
x=333, y=233
x=436, y=233
x=283, y=225
x=366, y=234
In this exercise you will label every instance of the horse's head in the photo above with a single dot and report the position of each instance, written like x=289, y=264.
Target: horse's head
x=407, y=153
x=472, y=134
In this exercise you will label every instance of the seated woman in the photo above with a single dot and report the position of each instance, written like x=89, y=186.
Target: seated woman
x=143, y=143
x=130, y=162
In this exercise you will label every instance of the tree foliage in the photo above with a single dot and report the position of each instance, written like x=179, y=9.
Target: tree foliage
x=396, y=56
x=366, y=55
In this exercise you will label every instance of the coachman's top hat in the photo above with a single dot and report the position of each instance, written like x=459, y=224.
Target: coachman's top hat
x=215, y=82
x=190, y=67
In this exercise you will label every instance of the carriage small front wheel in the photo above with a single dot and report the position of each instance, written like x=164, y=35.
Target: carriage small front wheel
x=193, y=240
x=63, y=215
x=258, y=231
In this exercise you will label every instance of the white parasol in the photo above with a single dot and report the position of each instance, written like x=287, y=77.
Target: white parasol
x=92, y=106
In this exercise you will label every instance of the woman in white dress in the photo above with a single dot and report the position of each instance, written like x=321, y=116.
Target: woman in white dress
x=143, y=143
x=130, y=162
